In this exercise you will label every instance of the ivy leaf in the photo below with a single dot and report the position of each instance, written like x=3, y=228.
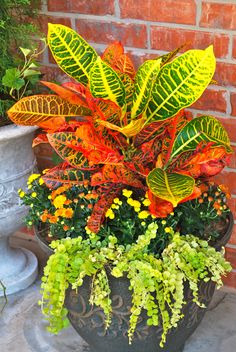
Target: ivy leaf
x=25, y=51
x=12, y=79
x=29, y=72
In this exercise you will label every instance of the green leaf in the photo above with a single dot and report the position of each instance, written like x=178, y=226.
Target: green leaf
x=25, y=51
x=144, y=80
x=180, y=83
x=71, y=52
x=172, y=187
x=106, y=84
x=12, y=79
x=29, y=72
x=201, y=129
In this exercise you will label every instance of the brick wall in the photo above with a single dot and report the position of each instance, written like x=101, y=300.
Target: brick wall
x=150, y=28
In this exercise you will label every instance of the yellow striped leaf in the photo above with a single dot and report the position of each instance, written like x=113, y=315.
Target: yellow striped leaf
x=180, y=83
x=201, y=129
x=71, y=52
x=130, y=130
x=172, y=187
x=144, y=80
x=106, y=84
x=36, y=109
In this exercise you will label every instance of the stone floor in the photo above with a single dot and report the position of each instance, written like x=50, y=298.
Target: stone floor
x=22, y=328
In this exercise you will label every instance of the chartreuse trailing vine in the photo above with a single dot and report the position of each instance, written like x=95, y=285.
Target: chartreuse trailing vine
x=156, y=283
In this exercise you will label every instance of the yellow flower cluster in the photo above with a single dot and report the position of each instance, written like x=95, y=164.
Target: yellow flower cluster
x=110, y=214
x=32, y=178
x=59, y=201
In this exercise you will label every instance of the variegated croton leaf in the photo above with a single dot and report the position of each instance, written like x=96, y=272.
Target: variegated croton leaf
x=38, y=109
x=71, y=52
x=61, y=175
x=180, y=83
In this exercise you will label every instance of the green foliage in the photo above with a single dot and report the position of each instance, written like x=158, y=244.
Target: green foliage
x=156, y=284
x=15, y=31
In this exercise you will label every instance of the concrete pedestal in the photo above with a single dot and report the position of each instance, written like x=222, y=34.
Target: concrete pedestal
x=18, y=267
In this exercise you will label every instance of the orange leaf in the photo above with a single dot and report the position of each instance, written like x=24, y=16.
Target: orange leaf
x=66, y=93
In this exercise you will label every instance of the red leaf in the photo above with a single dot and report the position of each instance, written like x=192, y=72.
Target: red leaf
x=100, y=208
x=41, y=138
x=66, y=94
x=159, y=207
x=112, y=53
x=116, y=174
x=62, y=174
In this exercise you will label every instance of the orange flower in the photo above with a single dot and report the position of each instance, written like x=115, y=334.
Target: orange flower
x=68, y=202
x=225, y=189
x=65, y=228
x=68, y=213
x=44, y=216
x=59, y=191
x=203, y=187
x=216, y=205
x=53, y=219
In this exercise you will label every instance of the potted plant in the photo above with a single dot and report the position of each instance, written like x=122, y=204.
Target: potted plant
x=137, y=227
x=18, y=75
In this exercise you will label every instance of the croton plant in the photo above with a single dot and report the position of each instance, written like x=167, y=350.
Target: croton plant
x=116, y=127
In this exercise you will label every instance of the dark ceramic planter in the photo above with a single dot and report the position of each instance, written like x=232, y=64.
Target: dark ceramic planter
x=89, y=320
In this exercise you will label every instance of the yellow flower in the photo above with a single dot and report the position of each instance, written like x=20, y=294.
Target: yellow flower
x=45, y=171
x=116, y=200
x=32, y=178
x=137, y=210
x=49, y=197
x=110, y=214
x=146, y=202
x=59, y=201
x=134, y=203
x=114, y=206
x=22, y=194
x=167, y=229
x=143, y=214
x=127, y=193
x=34, y=195
x=30, y=186
x=41, y=181
x=87, y=230
x=163, y=222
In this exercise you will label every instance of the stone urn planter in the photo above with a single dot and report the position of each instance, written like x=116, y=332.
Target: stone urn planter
x=89, y=321
x=18, y=266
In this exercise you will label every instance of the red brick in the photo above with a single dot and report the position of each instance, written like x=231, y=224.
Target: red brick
x=92, y=7
x=133, y=35
x=230, y=126
x=44, y=163
x=218, y=15
x=230, y=255
x=225, y=74
x=43, y=150
x=233, y=103
x=228, y=178
x=232, y=205
x=167, y=39
x=173, y=11
x=53, y=73
x=233, y=236
x=44, y=20
x=211, y=100
x=234, y=47
x=230, y=279
x=232, y=163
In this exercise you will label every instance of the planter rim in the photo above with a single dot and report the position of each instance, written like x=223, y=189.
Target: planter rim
x=15, y=131
x=217, y=245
